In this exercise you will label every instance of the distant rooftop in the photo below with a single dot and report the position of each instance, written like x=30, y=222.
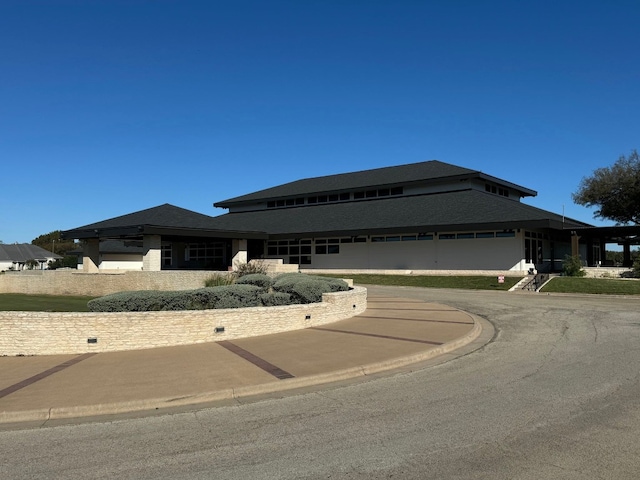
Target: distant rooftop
x=22, y=252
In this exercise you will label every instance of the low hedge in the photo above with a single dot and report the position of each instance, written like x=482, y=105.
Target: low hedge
x=275, y=299
x=249, y=291
x=307, y=288
x=258, y=279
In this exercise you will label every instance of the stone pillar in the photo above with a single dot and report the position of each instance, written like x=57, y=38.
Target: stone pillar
x=152, y=253
x=238, y=252
x=91, y=256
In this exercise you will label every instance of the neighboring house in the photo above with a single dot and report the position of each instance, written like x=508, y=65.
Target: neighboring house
x=422, y=216
x=15, y=256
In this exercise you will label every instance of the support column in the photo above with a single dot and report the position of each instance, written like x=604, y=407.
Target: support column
x=238, y=252
x=152, y=256
x=591, y=262
x=91, y=256
x=626, y=262
x=575, y=245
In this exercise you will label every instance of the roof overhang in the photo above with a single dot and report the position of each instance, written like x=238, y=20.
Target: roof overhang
x=615, y=234
x=138, y=231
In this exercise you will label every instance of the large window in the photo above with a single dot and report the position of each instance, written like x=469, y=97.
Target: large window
x=327, y=246
x=335, y=197
x=205, y=254
x=291, y=251
x=167, y=257
x=533, y=246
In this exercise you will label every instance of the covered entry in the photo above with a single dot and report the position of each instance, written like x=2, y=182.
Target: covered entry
x=170, y=238
x=597, y=238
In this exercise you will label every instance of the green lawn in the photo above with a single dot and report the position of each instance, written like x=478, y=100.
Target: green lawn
x=592, y=285
x=53, y=303
x=558, y=284
x=431, y=281
x=42, y=303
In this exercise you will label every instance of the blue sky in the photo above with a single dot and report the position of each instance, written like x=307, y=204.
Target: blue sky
x=109, y=107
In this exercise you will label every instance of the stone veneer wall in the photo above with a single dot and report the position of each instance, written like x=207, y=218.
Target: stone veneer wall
x=607, y=272
x=49, y=333
x=74, y=282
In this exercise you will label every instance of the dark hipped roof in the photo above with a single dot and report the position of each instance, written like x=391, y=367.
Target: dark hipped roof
x=432, y=170
x=460, y=210
x=161, y=220
x=22, y=252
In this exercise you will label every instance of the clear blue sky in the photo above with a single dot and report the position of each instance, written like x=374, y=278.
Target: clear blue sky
x=109, y=107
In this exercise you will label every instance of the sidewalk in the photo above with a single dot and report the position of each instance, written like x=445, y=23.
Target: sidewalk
x=391, y=333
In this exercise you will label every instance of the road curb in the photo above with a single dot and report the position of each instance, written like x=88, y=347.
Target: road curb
x=235, y=394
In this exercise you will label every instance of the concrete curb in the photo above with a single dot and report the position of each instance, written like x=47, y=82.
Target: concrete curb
x=156, y=404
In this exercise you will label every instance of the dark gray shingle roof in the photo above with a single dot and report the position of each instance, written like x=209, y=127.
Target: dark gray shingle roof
x=21, y=252
x=400, y=174
x=462, y=209
x=164, y=219
x=166, y=215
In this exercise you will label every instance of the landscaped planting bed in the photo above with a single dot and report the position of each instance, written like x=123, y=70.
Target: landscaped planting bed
x=255, y=290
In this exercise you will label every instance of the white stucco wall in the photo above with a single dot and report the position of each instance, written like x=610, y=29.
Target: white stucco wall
x=122, y=261
x=6, y=265
x=437, y=254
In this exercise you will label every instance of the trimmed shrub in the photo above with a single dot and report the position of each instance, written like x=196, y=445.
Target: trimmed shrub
x=572, y=266
x=139, y=301
x=307, y=288
x=227, y=296
x=335, y=284
x=258, y=279
x=275, y=299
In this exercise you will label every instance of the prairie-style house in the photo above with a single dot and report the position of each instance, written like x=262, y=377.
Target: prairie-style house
x=427, y=216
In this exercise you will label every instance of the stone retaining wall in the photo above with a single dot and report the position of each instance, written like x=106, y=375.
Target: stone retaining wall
x=607, y=272
x=49, y=333
x=74, y=282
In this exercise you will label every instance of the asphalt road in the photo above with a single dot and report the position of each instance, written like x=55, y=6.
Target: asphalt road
x=555, y=395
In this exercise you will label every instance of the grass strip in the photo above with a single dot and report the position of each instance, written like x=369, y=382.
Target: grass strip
x=12, y=302
x=479, y=282
x=592, y=285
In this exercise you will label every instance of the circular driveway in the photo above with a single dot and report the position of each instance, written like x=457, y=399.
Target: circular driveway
x=555, y=395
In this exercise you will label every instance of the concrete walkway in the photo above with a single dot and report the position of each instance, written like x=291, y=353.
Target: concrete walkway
x=393, y=332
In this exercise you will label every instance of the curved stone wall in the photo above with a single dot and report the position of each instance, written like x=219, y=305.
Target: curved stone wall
x=51, y=333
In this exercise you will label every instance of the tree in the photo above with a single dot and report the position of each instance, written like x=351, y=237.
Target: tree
x=31, y=264
x=615, y=190
x=54, y=243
